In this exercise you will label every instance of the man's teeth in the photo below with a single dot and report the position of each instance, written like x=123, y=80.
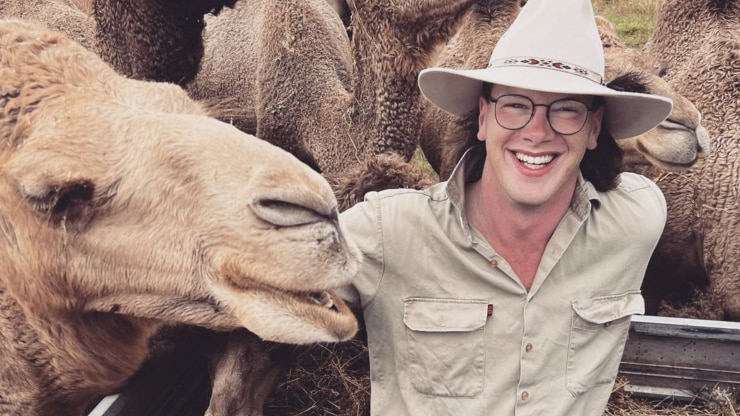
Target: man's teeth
x=534, y=162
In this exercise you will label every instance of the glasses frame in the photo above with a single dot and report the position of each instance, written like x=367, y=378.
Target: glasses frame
x=547, y=113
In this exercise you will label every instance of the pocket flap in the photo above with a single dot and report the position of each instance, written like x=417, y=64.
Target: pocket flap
x=605, y=309
x=444, y=315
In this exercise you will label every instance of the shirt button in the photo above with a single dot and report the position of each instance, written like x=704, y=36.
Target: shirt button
x=525, y=395
x=528, y=348
x=494, y=263
x=608, y=324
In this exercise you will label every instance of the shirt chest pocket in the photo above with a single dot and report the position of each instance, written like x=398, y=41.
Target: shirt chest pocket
x=446, y=345
x=598, y=333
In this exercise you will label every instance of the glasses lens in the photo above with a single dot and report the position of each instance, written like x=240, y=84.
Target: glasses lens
x=567, y=116
x=513, y=111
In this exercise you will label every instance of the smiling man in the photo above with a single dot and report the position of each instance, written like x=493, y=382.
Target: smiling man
x=508, y=290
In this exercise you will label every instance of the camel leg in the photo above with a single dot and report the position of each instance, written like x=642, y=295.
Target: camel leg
x=243, y=373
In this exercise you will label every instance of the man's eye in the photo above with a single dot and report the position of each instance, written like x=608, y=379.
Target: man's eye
x=565, y=109
x=572, y=107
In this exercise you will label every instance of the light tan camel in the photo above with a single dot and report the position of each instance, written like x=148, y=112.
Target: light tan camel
x=697, y=42
x=124, y=208
x=301, y=83
x=675, y=145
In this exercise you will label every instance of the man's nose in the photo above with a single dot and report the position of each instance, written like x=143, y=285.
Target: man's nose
x=538, y=127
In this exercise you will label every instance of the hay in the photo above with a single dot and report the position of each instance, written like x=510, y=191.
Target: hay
x=718, y=402
x=324, y=380
x=703, y=305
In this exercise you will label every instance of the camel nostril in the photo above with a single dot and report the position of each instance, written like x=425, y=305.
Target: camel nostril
x=284, y=214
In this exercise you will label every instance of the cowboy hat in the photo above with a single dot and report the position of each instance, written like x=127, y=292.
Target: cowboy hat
x=552, y=46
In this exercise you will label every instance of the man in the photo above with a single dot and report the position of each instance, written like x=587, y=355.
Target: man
x=508, y=290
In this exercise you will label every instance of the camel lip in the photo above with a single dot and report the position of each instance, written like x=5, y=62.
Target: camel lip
x=324, y=300
x=670, y=166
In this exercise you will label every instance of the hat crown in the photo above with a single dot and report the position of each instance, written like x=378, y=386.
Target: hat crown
x=560, y=31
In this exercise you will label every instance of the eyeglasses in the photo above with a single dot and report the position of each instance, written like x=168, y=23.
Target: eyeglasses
x=566, y=116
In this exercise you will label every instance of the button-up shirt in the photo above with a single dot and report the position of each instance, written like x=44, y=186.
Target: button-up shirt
x=452, y=330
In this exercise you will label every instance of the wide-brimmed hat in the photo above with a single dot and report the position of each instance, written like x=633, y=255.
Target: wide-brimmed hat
x=552, y=46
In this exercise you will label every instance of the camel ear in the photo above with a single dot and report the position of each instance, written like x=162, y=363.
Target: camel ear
x=629, y=82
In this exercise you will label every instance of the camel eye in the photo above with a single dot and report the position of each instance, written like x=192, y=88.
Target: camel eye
x=73, y=196
x=67, y=200
x=662, y=70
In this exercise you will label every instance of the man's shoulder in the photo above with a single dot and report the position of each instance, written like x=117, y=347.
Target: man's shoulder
x=407, y=195
x=634, y=182
x=637, y=200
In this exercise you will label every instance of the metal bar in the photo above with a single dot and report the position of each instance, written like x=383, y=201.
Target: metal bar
x=681, y=358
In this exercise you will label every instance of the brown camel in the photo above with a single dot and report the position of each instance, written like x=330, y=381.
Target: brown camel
x=298, y=81
x=60, y=15
x=158, y=40
x=125, y=208
x=697, y=42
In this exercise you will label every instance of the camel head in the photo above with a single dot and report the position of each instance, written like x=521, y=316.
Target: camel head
x=677, y=143
x=123, y=196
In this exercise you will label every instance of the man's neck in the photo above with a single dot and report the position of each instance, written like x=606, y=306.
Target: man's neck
x=518, y=233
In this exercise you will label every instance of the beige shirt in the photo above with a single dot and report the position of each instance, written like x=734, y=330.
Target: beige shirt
x=451, y=329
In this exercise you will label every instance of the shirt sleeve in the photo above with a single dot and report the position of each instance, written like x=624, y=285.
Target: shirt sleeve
x=363, y=223
x=649, y=213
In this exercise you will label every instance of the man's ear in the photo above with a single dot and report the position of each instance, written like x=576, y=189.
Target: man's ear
x=596, y=126
x=482, y=107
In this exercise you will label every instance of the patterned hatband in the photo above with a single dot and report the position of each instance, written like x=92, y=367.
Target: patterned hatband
x=549, y=64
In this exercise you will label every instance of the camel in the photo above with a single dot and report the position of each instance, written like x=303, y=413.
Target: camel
x=301, y=83
x=126, y=208
x=679, y=142
x=675, y=145
x=384, y=171
x=162, y=41
x=60, y=15
x=158, y=40
x=697, y=42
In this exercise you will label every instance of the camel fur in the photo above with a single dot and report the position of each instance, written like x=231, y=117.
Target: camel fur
x=60, y=15
x=125, y=208
x=158, y=40
x=698, y=45
x=302, y=84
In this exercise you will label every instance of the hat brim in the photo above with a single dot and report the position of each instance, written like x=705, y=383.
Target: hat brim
x=627, y=114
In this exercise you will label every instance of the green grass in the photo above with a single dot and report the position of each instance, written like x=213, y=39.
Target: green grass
x=634, y=19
